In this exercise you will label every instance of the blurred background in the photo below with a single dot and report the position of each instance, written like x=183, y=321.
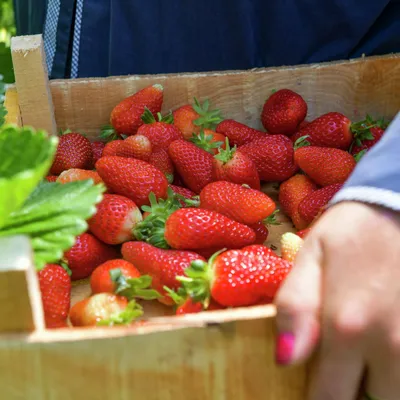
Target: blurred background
x=7, y=29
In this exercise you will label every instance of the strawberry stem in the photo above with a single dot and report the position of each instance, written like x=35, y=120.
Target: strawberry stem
x=125, y=317
x=208, y=119
x=108, y=133
x=205, y=142
x=271, y=219
x=301, y=142
x=225, y=155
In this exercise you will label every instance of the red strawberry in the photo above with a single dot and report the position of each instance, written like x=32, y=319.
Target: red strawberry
x=303, y=124
x=324, y=165
x=111, y=148
x=135, y=146
x=160, y=159
x=115, y=218
x=161, y=133
x=303, y=233
x=97, y=148
x=187, y=193
x=283, y=111
x=104, y=309
x=196, y=228
x=209, y=140
x=366, y=134
x=237, y=133
x=328, y=130
x=312, y=205
x=243, y=204
x=237, y=278
x=261, y=232
x=188, y=306
x=132, y=178
x=192, y=118
x=162, y=265
x=193, y=164
x=51, y=178
x=291, y=193
x=86, y=254
x=126, y=117
x=234, y=166
x=76, y=174
x=74, y=151
x=273, y=157
x=55, y=288
x=104, y=278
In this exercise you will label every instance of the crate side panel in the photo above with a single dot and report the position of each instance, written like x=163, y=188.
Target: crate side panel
x=370, y=85
x=218, y=362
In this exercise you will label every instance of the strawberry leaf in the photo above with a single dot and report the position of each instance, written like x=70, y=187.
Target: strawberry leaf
x=26, y=156
x=359, y=155
x=108, y=133
x=208, y=119
x=271, y=219
x=125, y=317
x=226, y=154
x=205, y=142
x=301, y=142
x=52, y=216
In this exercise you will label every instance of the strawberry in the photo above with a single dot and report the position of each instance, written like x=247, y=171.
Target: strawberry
x=115, y=218
x=196, y=228
x=187, y=193
x=51, y=178
x=111, y=148
x=236, y=278
x=55, y=288
x=104, y=309
x=76, y=174
x=261, y=232
x=86, y=254
x=283, y=111
x=132, y=178
x=135, y=146
x=192, y=118
x=312, y=204
x=160, y=159
x=366, y=134
x=97, y=148
x=184, y=304
x=303, y=124
x=273, y=157
x=74, y=151
x=237, y=133
x=161, y=133
x=234, y=166
x=162, y=265
x=104, y=278
x=329, y=130
x=242, y=204
x=209, y=140
x=324, y=165
x=291, y=193
x=193, y=164
x=303, y=233
x=126, y=117
x=290, y=245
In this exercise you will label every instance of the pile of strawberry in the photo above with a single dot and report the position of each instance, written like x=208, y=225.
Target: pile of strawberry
x=184, y=219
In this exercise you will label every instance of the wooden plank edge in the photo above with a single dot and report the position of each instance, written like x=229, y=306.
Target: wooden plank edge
x=12, y=106
x=219, y=319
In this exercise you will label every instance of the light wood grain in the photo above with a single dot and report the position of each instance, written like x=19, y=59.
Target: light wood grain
x=21, y=307
x=11, y=104
x=35, y=100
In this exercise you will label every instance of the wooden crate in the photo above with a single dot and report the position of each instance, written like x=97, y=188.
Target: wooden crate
x=214, y=355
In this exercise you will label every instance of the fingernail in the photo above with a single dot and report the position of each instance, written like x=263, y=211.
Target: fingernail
x=284, y=348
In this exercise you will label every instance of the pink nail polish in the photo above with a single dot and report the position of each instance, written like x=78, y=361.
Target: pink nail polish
x=284, y=348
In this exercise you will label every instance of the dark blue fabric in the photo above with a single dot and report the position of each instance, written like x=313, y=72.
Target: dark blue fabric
x=129, y=37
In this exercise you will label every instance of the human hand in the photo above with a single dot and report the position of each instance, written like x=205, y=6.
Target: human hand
x=343, y=295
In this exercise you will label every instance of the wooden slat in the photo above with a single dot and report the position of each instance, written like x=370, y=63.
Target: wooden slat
x=367, y=85
x=11, y=104
x=232, y=360
x=21, y=308
x=35, y=101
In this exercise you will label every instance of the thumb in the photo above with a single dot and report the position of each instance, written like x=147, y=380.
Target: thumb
x=298, y=305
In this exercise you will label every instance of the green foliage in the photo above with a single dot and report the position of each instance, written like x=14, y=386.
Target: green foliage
x=7, y=30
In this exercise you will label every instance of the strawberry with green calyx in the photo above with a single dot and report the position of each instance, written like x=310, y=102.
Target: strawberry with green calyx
x=208, y=140
x=162, y=265
x=360, y=155
x=161, y=133
x=301, y=142
x=366, y=134
x=126, y=117
x=234, y=166
x=271, y=219
x=125, y=317
x=104, y=309
x=132, y=288
x=108, y=134
x=192, y=118
x=236, y=278
x=184, y=304
x=183, y=192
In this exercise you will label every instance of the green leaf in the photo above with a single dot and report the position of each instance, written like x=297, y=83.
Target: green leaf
x=208, y=119
x=26, y=156
x=125, y=317
x=53, y=215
